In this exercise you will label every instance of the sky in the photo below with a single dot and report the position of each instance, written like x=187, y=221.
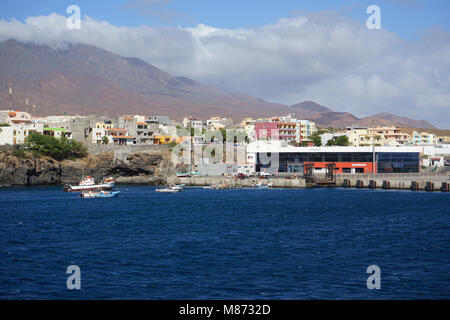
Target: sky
x=282, y=51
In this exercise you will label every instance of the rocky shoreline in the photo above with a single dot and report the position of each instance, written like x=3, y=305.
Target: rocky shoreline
x=150, y=168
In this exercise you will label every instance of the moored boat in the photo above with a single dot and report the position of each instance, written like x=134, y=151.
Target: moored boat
x=168, y=190
x=183, y=175
x=88, y=184
x=263, y=186
x=101, y=194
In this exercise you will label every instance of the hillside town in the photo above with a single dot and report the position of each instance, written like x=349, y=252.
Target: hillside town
x=298, y=141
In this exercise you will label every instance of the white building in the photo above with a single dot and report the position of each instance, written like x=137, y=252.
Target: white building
x=423, y=138
x=189, y=122
x=17, y=134
x=62, y=118
x=113, y=136
x=14, y=117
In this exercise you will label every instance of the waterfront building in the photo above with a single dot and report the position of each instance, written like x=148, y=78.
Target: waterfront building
x=222, y=169
x=287, y=158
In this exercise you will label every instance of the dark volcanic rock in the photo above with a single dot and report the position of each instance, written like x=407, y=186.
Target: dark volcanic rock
x=139, y=168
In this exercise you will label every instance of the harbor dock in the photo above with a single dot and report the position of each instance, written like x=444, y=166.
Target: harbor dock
x=232, y=182
x=414, y=182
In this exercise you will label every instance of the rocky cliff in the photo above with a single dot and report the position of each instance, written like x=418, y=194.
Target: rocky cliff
x=138, y=168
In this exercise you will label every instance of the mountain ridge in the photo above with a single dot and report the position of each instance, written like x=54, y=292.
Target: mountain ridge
x=84, y=79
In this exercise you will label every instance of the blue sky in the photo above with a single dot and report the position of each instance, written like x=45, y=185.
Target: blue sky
x=407, y=18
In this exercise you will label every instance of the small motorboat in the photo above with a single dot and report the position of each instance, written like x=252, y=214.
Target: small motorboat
x=168, y=190
x=101, y=194
x=183, y=175
x=263, y=186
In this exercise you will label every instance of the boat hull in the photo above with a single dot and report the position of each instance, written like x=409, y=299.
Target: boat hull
x=168, y=190
x=99, y=187
x=100, y=195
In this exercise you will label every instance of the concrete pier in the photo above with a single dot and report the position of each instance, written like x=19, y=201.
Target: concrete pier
x=379, y=181
x=393, y=181
x=246, y=183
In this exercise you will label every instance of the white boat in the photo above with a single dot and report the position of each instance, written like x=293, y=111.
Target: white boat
x=263, y=186
x=178, y=187
x=88, y=184
x=168, y=190
x=101, y=194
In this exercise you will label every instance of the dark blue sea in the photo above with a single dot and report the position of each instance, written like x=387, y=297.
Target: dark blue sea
x=229, y=244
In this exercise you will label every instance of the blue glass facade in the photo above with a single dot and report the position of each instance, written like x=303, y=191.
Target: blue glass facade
x=398, y=162
x=387, y=162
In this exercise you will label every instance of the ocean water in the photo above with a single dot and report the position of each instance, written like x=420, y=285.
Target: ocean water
x=228, y=244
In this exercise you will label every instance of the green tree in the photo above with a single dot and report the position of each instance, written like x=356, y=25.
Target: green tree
x=339, y=141
x=342, y=141
x=224, y=134
x=57, y=149
x=105, y=140
x=316, y=139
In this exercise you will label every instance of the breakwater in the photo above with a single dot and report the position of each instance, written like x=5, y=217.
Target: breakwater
x=245, y=183
x=413, y=182
x=385, y=181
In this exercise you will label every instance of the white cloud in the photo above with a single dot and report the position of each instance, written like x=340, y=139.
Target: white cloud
x=323, y=56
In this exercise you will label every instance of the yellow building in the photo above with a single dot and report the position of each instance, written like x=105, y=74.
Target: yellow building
x=104, y=125
x=166, y=139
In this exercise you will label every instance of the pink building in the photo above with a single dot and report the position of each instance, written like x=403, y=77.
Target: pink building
x=276, y=130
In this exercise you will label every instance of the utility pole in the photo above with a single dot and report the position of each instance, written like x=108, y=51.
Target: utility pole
x=34, y=109
x=26, y=104
x=373, y=154
x=10, y=95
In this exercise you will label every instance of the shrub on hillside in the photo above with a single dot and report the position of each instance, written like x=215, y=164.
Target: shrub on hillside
x=58, y=149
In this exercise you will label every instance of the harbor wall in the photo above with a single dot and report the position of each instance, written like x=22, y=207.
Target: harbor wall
x=245, y=183
x=396, y=181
